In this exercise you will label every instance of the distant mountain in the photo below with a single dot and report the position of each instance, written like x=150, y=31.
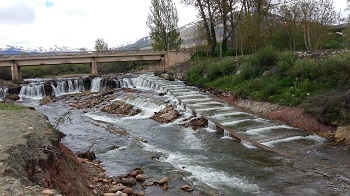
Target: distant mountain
x=14, y=50
x=186, y=33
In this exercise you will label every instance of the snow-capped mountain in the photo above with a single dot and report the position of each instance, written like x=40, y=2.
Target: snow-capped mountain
x=186, y=33
x=9, y=50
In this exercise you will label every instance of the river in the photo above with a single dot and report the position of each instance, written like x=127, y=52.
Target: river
x=210, y=159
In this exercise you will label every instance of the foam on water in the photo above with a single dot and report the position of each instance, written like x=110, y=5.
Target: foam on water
x=257, y=131
x=221, y=116
x=100, y=118
x=235, y=122
x=226, y=135
x=213, y=178
x=248, y=145
x=314, y=138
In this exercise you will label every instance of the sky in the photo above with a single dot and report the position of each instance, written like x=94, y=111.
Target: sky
x=78, y=23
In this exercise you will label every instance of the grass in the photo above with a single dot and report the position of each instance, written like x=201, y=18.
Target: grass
x=279, y=77
x=10, y=106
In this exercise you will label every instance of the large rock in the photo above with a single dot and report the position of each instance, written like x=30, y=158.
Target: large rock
x=46, y=100
x=119, y=107
x=342, y=134
x=12, y=97
x=166, y=115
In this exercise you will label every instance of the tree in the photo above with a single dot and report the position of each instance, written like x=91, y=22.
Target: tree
x=101, y=45
x=206, y=12
x=162, y=22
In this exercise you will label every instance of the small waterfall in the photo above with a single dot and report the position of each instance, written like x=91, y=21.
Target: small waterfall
x=68, y=87
x=127, y=83
x=3, y=92
x=211, y=125
x=33, y=91
x=96, y=85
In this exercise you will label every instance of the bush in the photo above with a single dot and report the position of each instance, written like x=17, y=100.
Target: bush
x=264, y=58
x=330, y=107
x=285, y=62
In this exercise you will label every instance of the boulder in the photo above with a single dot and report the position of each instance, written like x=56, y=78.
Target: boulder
x=115, y=188
x=166, y=115
x=119, y=107
x=12, y=97
x=342, y=134
x=140, y=177
x=46, y=100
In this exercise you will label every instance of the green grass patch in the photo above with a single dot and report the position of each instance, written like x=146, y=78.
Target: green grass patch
x=10, y=106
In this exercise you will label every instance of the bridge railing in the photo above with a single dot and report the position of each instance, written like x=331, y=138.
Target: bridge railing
x=81, y=53
x=77, y=53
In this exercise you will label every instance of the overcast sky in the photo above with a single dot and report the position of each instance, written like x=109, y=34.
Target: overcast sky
x=78, y=23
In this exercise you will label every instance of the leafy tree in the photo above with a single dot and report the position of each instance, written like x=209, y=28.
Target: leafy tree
x=162, y=22
x=101, y=45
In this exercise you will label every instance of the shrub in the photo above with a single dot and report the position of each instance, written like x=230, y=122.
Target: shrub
x=285, y=62
x=330, y=107
x=265, y=58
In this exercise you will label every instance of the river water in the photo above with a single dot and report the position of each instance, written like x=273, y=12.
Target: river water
x=215, y=163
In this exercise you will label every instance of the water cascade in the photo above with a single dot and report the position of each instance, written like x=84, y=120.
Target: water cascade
x=3, y=92
x=96, y=84
x=32, y=91
x=67, y=87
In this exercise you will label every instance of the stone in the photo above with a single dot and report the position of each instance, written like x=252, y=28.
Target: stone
x=142, y=193
x=118, y=193
x=109, y=194
x=163, y=180
x=12, y=97
x=115, y=188
x=140, y=177
x=187, y=188
x=47, y=192
x=101, y=175
x=165, y=187
x=128, y=181
x=82, y=160
x=166, y=115
x=149, y=183
x=342, y=134
x=124, y=194
x=128, y=191
x=45, y=100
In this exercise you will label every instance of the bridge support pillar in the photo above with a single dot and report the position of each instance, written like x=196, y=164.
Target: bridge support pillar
x=162, y=64
x=94, y=67
x=15, y=71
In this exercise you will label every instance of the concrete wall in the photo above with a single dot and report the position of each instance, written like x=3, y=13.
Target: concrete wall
x=174, y=57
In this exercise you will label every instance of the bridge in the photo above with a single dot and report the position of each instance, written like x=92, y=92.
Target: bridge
x=164, y=59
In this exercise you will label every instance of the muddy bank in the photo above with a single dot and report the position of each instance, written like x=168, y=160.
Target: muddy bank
x=34, y=162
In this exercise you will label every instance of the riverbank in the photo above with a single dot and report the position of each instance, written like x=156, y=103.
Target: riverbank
x=34, y=162
x=293, y=116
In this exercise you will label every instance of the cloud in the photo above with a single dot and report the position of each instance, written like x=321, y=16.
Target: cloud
x=16, y=12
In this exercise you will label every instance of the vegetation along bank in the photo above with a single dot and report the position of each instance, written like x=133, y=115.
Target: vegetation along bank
x=315, y=85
